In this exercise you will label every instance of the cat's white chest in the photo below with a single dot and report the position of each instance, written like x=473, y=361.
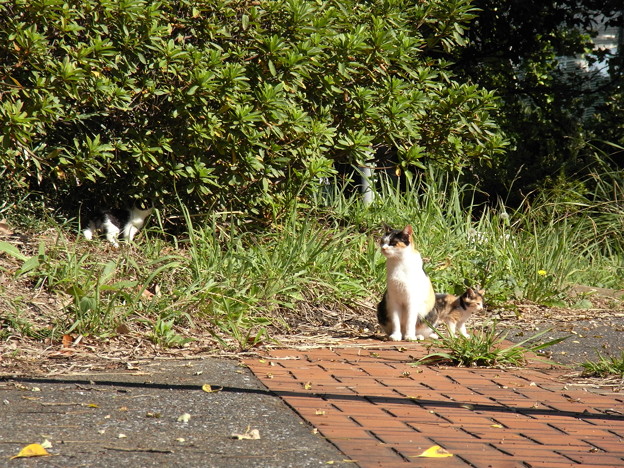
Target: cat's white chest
x=409, y=287
x=405, y=271
x=135, y=222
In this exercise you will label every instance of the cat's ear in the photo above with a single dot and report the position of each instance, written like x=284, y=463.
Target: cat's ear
x=387, y=228
x=478, y=290
x=408, y=230
x=470, y=292
x=146, y=203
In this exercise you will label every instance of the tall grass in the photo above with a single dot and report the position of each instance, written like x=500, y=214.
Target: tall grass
x=535, y=252
x=242, y=286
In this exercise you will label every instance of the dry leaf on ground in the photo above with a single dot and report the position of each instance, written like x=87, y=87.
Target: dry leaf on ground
x=5, y=229
x=250, y=434
x=210, y=389
x=435, y=452
x=32, y=450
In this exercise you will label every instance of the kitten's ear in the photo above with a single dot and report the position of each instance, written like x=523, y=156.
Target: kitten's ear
x=408, y=230
x=145, y=204
x=470, y=292
x=387, y=228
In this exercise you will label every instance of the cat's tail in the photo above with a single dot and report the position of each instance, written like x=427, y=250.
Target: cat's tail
x=382, y=313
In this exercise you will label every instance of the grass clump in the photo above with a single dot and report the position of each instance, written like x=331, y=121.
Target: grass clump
x=604, y=366
x=243, y=285
x=485, y=348
x=218, y=279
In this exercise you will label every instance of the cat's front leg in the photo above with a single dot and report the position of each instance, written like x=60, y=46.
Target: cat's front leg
x=393, y=329
x=89, y=231
x=130, y=230
x=462, y=330
x=111, y=236
x=409, y=326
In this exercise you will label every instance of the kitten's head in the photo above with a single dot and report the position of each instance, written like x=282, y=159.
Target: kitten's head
x=144, y=204
x=394, y=242
x=473, y=299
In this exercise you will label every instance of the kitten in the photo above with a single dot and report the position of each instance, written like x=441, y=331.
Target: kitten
x=114, y=222
x=454, y=311
x=409, y=296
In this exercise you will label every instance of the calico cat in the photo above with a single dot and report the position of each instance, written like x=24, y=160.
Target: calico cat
x=114, y=222
x=454, y=311
x=409, y=296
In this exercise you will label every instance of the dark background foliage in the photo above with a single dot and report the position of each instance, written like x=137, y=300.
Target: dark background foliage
x=556, y=118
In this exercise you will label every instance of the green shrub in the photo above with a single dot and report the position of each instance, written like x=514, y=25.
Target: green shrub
x=229, y=104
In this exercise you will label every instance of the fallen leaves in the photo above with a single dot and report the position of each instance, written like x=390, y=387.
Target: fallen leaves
x=210, y=389
x=69, y=344
x=435, y=452
x=32, y=450
x=46, y=444
x=249, y=434
x=122, y=329
x=5, y=229
x=67, y=341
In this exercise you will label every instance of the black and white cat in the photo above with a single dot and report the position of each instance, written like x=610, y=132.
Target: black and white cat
x=409, y=296
x=119, y=223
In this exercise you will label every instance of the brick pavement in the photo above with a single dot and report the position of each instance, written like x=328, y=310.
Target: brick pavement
x=379, y=410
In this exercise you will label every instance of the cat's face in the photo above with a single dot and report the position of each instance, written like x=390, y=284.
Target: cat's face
x=144, y=204
x=394, y=242
x=473, y=298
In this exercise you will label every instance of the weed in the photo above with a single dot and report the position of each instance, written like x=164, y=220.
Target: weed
x=13, y=324
x=164, y=334
x=485, y=348
x=605, y=366
x=96, y=299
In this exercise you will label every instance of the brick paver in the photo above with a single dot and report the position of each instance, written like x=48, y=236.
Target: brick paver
x=379, y=410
